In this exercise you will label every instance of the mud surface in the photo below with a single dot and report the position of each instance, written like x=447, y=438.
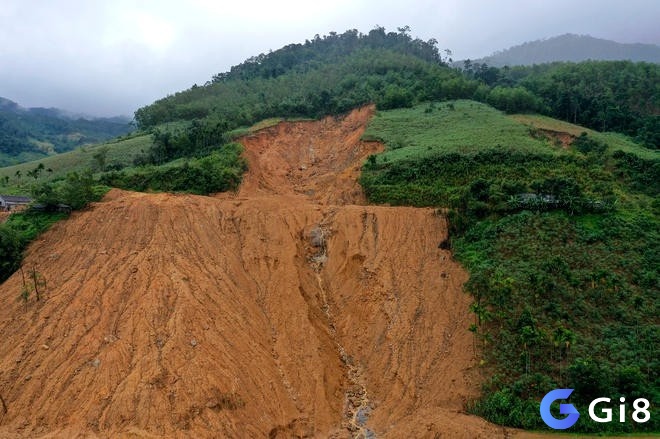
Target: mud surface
x=288, y=309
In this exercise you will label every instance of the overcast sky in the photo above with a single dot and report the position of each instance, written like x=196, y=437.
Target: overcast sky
x=109, y=57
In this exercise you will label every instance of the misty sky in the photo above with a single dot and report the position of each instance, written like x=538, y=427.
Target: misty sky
x=111, y=57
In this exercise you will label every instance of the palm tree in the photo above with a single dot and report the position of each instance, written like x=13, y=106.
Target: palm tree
x=563, y=339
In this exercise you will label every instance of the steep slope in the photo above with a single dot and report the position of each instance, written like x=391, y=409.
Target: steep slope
x=320, y=160
x=283, y=310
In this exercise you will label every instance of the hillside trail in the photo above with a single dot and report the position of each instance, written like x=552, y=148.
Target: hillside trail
x=287, y=309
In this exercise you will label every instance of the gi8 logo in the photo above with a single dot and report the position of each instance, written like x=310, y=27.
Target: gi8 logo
x=640, y=414
x=564, y=409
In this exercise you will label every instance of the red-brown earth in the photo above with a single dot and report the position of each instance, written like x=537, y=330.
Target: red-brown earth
x=287, y=309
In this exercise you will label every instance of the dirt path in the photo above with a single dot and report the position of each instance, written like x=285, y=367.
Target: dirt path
x=289, y=309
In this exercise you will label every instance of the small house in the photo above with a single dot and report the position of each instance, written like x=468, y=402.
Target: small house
x=12, y=202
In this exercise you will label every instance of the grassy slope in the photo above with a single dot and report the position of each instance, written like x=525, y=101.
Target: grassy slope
x=561, y=299
x=469, y=126
x=120, y=152
x=613, y=140
x=458, y=126
x=461, y=132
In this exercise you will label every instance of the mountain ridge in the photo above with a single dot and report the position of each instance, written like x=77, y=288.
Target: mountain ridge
x=572, y=48
x=7, y=104
x=32, y=133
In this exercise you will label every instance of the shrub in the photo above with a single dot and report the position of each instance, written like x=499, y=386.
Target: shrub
x=219, y=171
x=76, y=190
x=587, y=145
x=11, y=251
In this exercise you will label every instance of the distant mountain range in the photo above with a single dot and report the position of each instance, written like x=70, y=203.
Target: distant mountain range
x=571, y=47
x=31, y=133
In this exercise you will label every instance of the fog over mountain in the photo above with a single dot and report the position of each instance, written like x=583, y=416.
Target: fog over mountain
x=574, y=48
x=108, y=58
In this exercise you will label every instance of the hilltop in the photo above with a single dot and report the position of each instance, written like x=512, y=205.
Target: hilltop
x=571, y=48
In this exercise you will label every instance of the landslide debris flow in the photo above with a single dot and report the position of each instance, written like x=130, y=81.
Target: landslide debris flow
x=288, y=309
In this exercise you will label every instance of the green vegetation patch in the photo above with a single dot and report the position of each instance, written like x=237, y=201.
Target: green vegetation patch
x=116, y=154
x=219, y=171
x=53, y=201
x=564, y=302
x=462, y=126
x=619, y=96
x=27, y=134
x=614, y=141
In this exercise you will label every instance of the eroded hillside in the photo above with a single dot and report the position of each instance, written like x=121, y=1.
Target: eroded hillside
x=289, y=309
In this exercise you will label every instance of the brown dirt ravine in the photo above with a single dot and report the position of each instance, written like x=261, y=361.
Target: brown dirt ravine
x=287, y=309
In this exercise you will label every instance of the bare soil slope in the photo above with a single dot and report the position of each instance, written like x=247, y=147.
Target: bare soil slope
x=285, y=310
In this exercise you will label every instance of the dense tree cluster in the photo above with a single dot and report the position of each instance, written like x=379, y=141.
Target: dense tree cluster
x=327, y=75
x=564, y=302
x=219, y=171
x=75, y=191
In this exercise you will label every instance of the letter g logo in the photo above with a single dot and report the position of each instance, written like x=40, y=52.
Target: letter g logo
x=564, y=409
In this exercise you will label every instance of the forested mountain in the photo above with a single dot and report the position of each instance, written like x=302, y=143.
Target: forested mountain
x=337, y=72
x=31, y=133
x=574, y=48
x=329, y=74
